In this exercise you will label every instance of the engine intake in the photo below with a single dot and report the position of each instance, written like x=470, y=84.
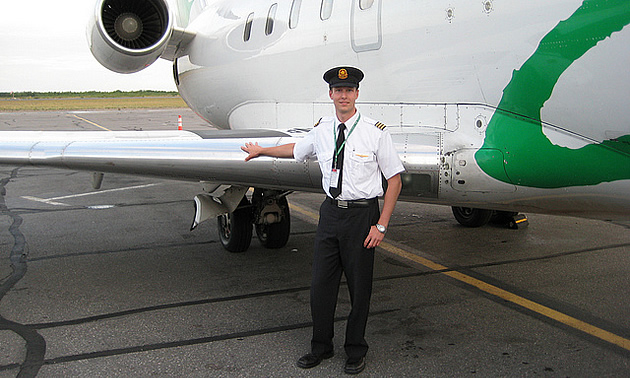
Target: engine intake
x=128, y=35
x=134, y=24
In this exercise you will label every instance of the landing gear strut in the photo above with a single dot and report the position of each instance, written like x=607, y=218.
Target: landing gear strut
x=272, y=218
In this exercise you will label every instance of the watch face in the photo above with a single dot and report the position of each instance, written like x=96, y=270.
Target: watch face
x=380, y=227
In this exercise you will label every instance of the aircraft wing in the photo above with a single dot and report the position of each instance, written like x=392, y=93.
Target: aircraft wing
x=212, y=156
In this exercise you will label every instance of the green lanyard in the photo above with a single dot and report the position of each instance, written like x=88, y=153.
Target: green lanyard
x=338, y=151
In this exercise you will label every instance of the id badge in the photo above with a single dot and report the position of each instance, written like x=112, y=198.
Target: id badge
x=334, y=177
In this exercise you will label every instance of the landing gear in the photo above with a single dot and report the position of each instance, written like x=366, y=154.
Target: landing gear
x=235, y=228
x=268, y=212
x=272, y=220
x=470, y=217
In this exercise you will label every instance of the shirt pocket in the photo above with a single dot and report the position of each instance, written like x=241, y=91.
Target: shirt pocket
x=362, y=163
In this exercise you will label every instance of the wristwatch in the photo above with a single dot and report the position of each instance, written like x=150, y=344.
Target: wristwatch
x=382, y=229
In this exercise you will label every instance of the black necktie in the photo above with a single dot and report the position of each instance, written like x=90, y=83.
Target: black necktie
x=338, y=160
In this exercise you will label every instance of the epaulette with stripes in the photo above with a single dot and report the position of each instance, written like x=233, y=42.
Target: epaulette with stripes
x=380, y=126
x=317, y=124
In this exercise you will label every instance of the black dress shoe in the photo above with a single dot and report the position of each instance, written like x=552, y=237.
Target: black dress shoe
x=310, y=360
x=354, y=365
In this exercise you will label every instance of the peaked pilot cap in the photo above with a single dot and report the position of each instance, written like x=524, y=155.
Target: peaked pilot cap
x=343, y=77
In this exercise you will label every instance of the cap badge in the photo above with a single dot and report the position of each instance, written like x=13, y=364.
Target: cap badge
x=343, y=74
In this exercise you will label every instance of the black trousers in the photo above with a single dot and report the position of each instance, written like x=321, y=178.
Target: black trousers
x=339, y=249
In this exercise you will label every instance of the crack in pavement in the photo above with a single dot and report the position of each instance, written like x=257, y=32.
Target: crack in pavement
x=35, y=343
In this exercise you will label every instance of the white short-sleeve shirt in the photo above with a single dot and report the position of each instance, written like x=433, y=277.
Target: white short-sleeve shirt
x=369, y=153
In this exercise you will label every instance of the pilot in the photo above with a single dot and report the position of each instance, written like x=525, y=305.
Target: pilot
x=354, y=153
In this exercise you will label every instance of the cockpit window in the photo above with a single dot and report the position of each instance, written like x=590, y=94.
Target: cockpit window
x=326, y=10
x=271, y=16
x=295, y=13
x=247, y=34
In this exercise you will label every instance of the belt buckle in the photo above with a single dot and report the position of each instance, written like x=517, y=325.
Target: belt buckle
x=342, y=204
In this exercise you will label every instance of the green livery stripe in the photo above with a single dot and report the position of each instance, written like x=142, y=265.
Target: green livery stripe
x=515, y=148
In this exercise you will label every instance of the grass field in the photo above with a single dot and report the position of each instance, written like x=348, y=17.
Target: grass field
x=57, y=104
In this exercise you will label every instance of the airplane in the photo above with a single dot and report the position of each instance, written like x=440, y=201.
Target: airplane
x=495, y=106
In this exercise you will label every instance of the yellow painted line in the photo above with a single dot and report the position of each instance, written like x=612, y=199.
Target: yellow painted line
x=503, y=294
x=303, y=211
x=90, y=122
x=516, y=299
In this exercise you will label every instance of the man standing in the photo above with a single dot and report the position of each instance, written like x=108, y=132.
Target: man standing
x=353, y=152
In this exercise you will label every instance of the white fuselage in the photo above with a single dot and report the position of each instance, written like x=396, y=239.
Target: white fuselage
x=413, y=52
x=434, y=69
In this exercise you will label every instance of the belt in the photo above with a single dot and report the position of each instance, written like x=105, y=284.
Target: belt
x=352, y=203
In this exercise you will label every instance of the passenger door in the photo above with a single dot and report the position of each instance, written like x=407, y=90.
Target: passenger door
x=365, y=25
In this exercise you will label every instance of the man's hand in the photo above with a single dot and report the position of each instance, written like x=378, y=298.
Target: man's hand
x=254, y=150
x=374, y=238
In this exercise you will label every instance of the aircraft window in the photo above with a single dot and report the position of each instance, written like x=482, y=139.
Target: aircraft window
x=271, y=16
x=326, y=10
x=295, y=13
x=366, y=4
x=248, y=27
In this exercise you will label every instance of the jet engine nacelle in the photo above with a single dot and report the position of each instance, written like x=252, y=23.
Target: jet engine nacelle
x=126, y=36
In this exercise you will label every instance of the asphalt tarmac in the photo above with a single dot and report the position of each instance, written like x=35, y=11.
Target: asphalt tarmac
x=113, y=283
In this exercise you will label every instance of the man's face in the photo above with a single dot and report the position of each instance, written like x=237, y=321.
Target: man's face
x=344, y=99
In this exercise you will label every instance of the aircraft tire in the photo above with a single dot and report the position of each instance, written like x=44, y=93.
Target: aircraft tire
x=276, y=235
x=470, y=217
x=235, y=229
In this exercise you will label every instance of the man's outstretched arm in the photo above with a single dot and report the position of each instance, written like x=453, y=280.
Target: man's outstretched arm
x=254, y=151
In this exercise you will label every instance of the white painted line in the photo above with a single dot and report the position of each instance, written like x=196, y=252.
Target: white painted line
x=43, y=200
x=53, y=201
